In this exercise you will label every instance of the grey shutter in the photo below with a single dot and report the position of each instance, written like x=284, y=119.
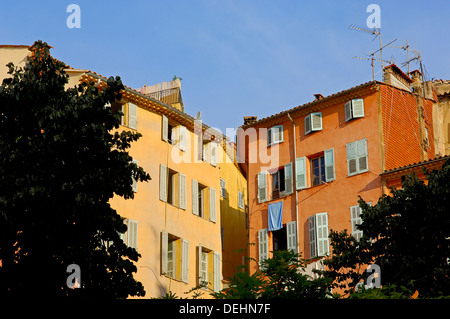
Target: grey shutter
x=163, y=183
x=184, y=261
x=357, y=108
x=361, y=148
x=164, y=249
x=132, y=116
x=182, y=190
x=316, y=121
x=322, y=234
x=288, y=180
x=199, y=251
x=300, y=172
x=308, y=124
x=312, y=236
x=132, y=233
x=194, y=197
x=329, y=165
x=212, y=204
x=263, y=245
x=348, y=111
x=262, y=187
x=165, y=129
x=291, y=234
x=269, y=137
x=278, y=134
x=217, y=273
x=351, y=158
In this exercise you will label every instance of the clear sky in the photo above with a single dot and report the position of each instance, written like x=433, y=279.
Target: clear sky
x=235, y=57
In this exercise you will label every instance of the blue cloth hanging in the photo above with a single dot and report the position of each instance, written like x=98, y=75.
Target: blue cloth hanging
x=275, y=216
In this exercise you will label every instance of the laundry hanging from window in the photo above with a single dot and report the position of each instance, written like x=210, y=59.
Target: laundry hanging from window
x=275, y=216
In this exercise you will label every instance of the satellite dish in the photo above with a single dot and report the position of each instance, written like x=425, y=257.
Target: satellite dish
x=198, y=115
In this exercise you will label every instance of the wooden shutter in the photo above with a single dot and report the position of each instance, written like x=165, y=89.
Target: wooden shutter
x=300, y=172
x=213, y=154
x=182, y=190
x=348, y=111
x=132, y=116
x=164, y=250
x=212, y=204
x=357, y=108
x=316, y=121
x=194, y=197
x=132, y=233
x=355, y=212
x=291, y=234
x=308, y=124
x=322, y=234
x=351, y=158
x=182, y=138
x=165, y=129
x=278, y=134
x=184, y=260
x=361, y=148
x=163, y=183
x=263, y=245
x=134, y=185
x=262, y=187
x=269, y=137
x=288, y=180
x=200, y=262
x=312, y=236
x=329, y=165
x=217, y=274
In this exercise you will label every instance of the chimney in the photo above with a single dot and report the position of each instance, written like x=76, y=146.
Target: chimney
x=318, y=96
x=416, y=81
x=392, y=75
x=250, y=120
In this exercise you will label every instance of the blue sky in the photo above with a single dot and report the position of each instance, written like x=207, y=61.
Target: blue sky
x=235, y=57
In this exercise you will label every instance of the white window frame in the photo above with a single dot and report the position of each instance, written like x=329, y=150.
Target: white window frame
x=354, y=109
x=271, y=134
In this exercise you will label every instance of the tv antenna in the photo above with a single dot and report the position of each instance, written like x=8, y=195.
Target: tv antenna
x=372, y=58
x=417, y=55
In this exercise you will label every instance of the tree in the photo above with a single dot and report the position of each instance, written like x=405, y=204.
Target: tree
x=279, y=277
x=62, y=160
x=407, y=234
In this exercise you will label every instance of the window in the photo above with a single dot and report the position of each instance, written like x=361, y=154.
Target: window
x=282, y=239
x=203, y=201
x=281, y=182
x=174, y=134
x=130, y=237
x=209, y=274
x=174, y=257
x=209, y=154
x=263, y=244
x=313, y=122
x=222, y=188
x=129, y=117
x=240, y=200
x=321, y=169
x=275, y=135
x=354, y=109
x=355, y=212
x=317, y=171
x=134, y=186
x=357, y=157
x=318, y=235
x=172, y=187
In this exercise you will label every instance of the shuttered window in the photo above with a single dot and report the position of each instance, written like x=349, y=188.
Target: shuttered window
x=163, y=183
x=134, y=185
x=275, y=135
x=291, y=233
x=318, y=235
x=329, y=165
x=217, y=273
x=355, y=212
x=195, y=200
x=185, y=261
x=354, y=109
x=263, y=244
x=182, y=190
x=174, y=257
x=300, y=173
x=130, y=237
x=165, y=129
x=288, y=179
x=357, y=157
x=313, y=122
x=132, y=116
x=262, y=187
x=212, y=204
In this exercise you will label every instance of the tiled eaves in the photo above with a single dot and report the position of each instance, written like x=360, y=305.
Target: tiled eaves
x=400, y=171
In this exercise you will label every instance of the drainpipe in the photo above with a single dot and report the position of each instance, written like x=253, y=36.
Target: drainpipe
x=295, y=184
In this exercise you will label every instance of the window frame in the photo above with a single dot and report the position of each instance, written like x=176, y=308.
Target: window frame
x=356, y=151
x=271, y=135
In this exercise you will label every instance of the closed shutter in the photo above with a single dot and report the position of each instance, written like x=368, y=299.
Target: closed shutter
x=300, y=172
x=212, y=204
x=361, y=148
x=194, y=197
x=288, y=180
x=308, y=124
x=163, y=183
x=182, y=138
x=312, y=236
x=182, y=190
x=132, y=116
x=164, y=250
x=262, y=187
x=322, y=234
x=351, y=159
x=358, y=108
x=263, y=245
x=329, y=165
x=217, y=274
x=213, y=154
x=165, y=129
x=348, y=111
x=316, y=121
x=291, y=234
x=184, y=261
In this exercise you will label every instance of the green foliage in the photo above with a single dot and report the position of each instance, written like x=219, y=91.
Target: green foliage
x=406, y=234
x=61, y=162
x=278, y=277
x=386, y=292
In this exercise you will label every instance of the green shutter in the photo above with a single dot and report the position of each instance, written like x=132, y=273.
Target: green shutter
x=300, y=172
x=329, y=165
x=288, y=180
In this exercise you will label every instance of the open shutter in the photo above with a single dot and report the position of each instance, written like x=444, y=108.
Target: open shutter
x=194, y=197
x=182, y=138
x=351, y=159
x=217, y=274
x=164, y=250
x=262, y=187
x=361, y=148
x=212, y=204
x=308, y=124
x=200, y=263
x=134, y=185
x=263, y=245
x=163, y=183
x=329, y=165
x=355, y=212
x=312, y=236
x=291, y=234
x=348, y=111
x=278, y=134
x=132, y=233
x=269, y=137
x=316, y=121
x=358, y=108
x=288, y=180
x=300, y=172
x=213, y=154
x=322, y=234
x=132, y=116
x=184, y=261
x=165, y=129
x=182, y=190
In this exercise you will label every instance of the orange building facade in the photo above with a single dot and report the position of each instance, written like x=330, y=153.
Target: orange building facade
x=307, y=166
